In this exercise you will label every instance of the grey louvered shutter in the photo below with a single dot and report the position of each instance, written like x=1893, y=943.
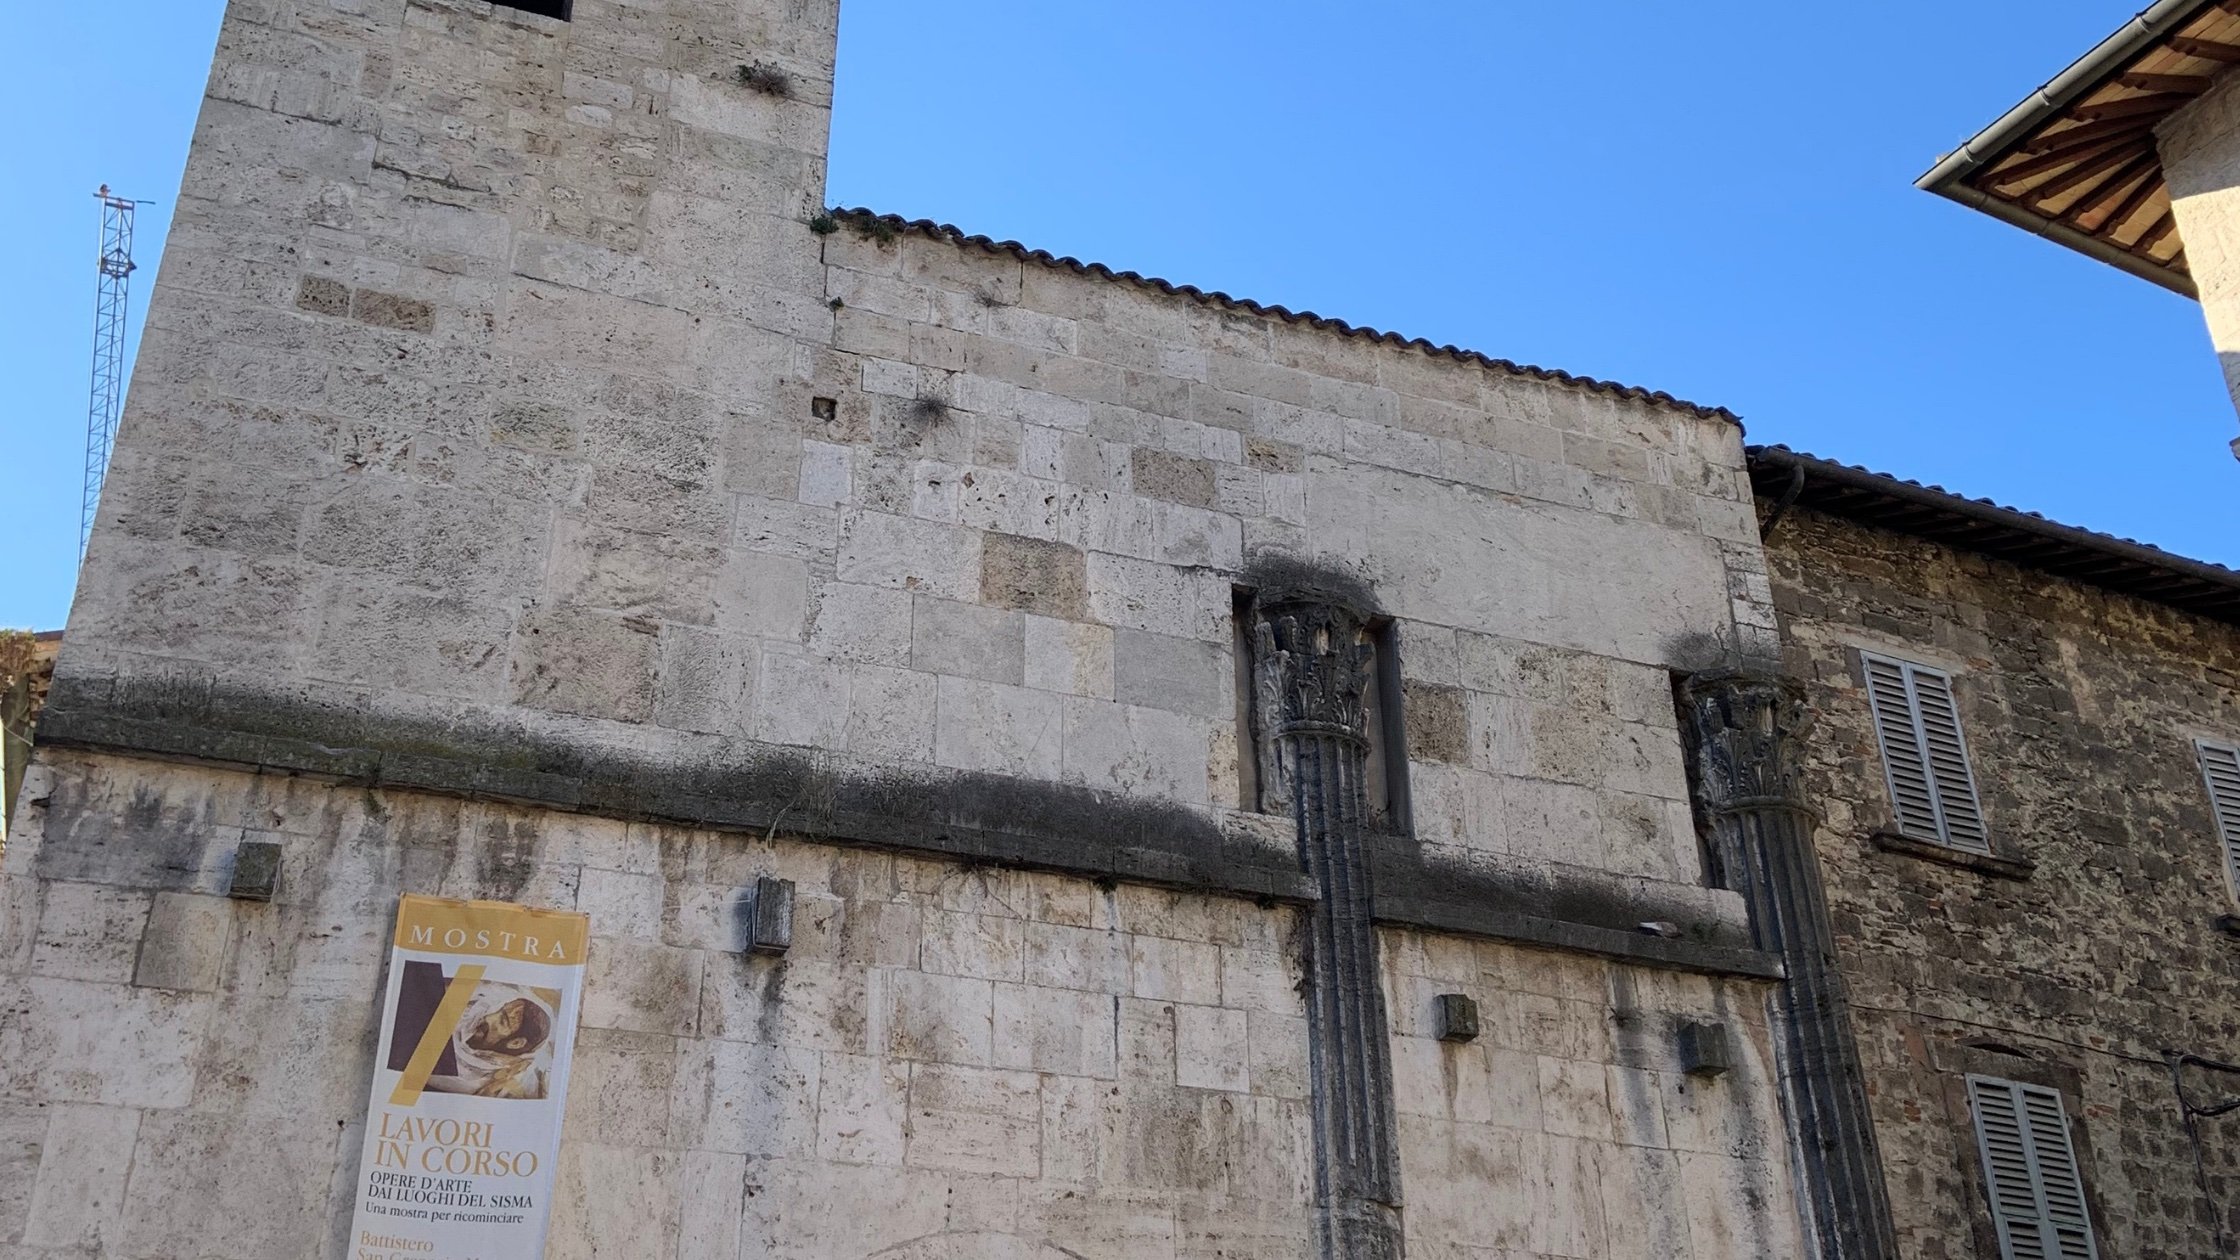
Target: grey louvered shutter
x=1904, y=764
x=2220, y=768
x=2030, y=1171
x=1948, y=761
x=1924, y=755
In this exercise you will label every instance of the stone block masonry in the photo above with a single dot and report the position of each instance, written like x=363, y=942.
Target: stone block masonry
x=501, y=456
x=1002, y=1062
x=518, y=498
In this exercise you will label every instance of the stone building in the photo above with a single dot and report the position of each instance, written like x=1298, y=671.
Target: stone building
x=2070, y=929
x=529, y=492
x=1057, y=764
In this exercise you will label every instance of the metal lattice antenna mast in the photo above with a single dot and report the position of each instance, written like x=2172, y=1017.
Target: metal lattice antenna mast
x=109, y=309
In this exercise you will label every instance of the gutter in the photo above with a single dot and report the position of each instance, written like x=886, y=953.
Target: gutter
x=2061, y=233
x=2157, y=22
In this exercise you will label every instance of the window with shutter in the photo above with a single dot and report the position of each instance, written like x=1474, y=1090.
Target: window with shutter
x=1924, y=755
x=2220, y=768
x=2030, y=1171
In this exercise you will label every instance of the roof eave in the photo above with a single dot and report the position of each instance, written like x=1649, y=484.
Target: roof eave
x=2061, y=233
x=2106, y=59
x=2204, y=576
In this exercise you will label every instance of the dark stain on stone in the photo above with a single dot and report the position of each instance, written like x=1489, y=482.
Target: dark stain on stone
x=507, y=859
x=1277, y=579
x=738, y=786
x=771, y=1004
x=148, y=844
x=1419, y=890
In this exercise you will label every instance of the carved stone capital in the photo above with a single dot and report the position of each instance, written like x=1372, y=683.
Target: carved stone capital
x=1746, y=731
x=1310, y=668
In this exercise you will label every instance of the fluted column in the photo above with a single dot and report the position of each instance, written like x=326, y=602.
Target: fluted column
x=1746, y=736
x=1310, y=670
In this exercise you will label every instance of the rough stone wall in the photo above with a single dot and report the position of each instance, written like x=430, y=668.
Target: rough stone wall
x=2200, y=149
x=26, y=671
x=2080, y=709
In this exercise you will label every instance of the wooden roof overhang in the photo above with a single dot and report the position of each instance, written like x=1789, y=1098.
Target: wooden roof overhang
x=1786, y=479
x=2077, y=162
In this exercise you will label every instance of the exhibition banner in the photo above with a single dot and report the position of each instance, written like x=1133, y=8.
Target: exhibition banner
x=469, y=1082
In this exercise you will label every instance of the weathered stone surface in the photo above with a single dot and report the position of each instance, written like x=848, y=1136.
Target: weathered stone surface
x=1438, y=723
x=593, y=664
x=2079, y=709
x=967, y=641
x=323, y=296
x=1035, y=575
x=503, y=426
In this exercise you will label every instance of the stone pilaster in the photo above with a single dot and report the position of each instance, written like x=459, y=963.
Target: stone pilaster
x=1746, y=735
x=1310, y=670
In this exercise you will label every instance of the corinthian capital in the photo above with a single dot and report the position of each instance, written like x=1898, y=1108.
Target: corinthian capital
x=1745, y=731
x=1310, y=669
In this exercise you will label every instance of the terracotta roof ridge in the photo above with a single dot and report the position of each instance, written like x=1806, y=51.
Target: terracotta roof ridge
x=1025, y=253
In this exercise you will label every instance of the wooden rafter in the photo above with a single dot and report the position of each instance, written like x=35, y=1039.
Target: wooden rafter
x=2141, y=166
x=2130, y=205
x=2175, y=84
x=2153, y=236
x=2078, y=137
x=2086, y=172
x=2207, y=49
x=2132, y=107
x=2056, y=159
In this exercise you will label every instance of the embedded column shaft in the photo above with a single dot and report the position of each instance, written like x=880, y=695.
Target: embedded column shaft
x=1746, y=736
x=1311, y=670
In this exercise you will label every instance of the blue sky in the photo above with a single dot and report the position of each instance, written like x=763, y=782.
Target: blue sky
x=1712, y=199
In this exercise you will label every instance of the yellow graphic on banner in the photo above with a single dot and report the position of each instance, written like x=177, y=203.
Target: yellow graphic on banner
x=422, y=1064
x=439, y=925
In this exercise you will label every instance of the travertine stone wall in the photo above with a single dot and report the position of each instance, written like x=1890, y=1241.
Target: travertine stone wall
x=950, y=1062
x=480, y=391
x=1569, y=1127
x=958, y=1060
x=2200, y=149
x=503, y=428
x=2080, y=709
